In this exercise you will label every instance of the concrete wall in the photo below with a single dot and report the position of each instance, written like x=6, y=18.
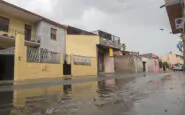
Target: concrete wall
x=125, y=65
x=17, y=25
x=155, y=65
x=83, y=45
x=43, y=31
x=24, y=70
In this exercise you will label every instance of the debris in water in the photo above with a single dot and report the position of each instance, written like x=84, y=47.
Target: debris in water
x=166, y=110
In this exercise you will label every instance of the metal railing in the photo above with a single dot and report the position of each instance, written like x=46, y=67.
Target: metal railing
x=8, y=51
x=13, y=32
x=110, y=43
x=41, y=55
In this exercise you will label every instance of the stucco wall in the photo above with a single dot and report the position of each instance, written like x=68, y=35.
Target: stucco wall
x=16, y=25
x=24, y=70
x=152, y=65
x=109, y=64
x=43, y=31
x=125, y=65
x=156, y=65
x=83, y=45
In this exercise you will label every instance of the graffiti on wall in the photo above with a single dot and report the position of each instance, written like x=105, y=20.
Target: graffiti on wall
x=81, y=60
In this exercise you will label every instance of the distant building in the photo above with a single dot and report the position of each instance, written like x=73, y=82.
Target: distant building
x=150, y=62
x=172, y=59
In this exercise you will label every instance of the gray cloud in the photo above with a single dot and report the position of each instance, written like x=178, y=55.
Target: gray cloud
x=137, y=23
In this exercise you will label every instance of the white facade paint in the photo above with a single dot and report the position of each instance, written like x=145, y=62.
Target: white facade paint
x=43, y=32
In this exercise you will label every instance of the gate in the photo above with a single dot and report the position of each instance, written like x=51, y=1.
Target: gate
x=67, y=65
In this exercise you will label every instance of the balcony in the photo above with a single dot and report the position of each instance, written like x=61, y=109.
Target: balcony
x=7, y=39
x=113, y=43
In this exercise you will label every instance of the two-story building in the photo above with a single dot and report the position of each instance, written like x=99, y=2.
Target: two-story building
x=31, y=46
x=105, y=51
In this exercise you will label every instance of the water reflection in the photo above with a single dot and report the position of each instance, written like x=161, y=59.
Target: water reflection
x=75, y=99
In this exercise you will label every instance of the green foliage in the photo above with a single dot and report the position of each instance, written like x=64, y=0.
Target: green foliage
x=123, y=47
x=160, y=63
x=166, y=64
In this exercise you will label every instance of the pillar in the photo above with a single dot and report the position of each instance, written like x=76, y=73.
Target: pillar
x=19, y=57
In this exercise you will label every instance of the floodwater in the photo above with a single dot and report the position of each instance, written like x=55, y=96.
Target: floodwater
x=144, y=95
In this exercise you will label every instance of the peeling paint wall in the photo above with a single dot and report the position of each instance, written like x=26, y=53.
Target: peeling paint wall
x=43, y=31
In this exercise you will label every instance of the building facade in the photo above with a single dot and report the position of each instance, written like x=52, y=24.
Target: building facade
x=30, y=42
x=107, y=46
x=172, y=59
x=81, y=50
x=150, y=63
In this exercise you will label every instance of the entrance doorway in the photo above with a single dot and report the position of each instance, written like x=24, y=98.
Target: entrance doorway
x=101, y=62
x=7, y=67
x=27, y=30
x=144, y=66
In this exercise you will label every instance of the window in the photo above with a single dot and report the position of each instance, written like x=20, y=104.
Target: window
x=53, y=34
x=4, y=24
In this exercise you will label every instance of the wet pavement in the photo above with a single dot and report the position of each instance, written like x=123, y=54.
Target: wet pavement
x=152, y=94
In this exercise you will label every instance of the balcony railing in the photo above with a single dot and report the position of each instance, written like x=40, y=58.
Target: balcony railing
x=10, y=36
x=115, y=43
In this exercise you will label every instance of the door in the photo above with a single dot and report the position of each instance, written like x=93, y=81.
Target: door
x=101, y=62
x=144, y=66
x=27, y=32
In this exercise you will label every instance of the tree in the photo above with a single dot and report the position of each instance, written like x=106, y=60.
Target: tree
x=160, y=64
x=166, y=64
x=123, y=47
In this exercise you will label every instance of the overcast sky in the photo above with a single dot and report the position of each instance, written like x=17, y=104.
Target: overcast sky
x=137, y=22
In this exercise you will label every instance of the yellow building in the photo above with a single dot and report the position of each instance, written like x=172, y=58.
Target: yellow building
x=27, y=50
x=173, y=59
x=81, y=48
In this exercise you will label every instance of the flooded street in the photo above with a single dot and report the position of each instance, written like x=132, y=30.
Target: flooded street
x=160, y=94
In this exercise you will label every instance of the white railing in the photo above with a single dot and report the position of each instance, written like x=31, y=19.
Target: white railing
x=110, y=43
x=41, y=55
x=8, y=51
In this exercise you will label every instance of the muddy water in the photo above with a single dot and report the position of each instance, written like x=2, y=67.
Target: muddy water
x=147, y=95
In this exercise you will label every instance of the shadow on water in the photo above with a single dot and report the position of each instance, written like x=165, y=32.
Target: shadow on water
x=75, y=99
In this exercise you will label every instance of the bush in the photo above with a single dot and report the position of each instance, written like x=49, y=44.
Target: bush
x=160, y=64
x=166, y=64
